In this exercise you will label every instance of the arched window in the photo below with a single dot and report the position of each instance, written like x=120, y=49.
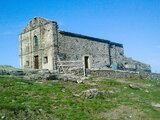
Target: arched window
x=35, y=40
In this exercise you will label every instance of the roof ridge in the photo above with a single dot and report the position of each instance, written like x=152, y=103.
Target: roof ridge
x=89, y=37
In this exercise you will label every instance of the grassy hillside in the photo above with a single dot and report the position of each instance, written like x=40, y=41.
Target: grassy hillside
x=59, y=100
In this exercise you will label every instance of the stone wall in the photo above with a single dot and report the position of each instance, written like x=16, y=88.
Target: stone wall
x=132, y=65
x=73, y=47
x=116, y=53
x=123, y=74
x=32, y=74
x=103, y=54
x=44, y=32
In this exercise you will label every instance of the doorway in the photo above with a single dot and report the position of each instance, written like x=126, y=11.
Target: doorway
x=86, y=62
x=36, y=62
x=86, y=65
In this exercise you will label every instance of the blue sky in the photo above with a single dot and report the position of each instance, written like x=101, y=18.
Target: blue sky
x=134, y=23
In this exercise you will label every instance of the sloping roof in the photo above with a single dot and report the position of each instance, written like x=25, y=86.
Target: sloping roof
x=35, y=22
x=89, y=37
x=38, y=21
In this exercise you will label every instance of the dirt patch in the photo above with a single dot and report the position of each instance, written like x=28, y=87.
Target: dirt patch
x=124, y=113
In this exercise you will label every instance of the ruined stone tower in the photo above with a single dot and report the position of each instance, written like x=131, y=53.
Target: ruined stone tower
x=43, y=46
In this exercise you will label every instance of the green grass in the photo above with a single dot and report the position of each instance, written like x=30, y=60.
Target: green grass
x=50, y=100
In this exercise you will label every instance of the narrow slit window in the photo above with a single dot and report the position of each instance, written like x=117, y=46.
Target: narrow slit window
x=45, y=59
x=35, y=40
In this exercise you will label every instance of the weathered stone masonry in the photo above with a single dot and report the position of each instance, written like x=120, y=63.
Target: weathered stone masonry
x=42, y=46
